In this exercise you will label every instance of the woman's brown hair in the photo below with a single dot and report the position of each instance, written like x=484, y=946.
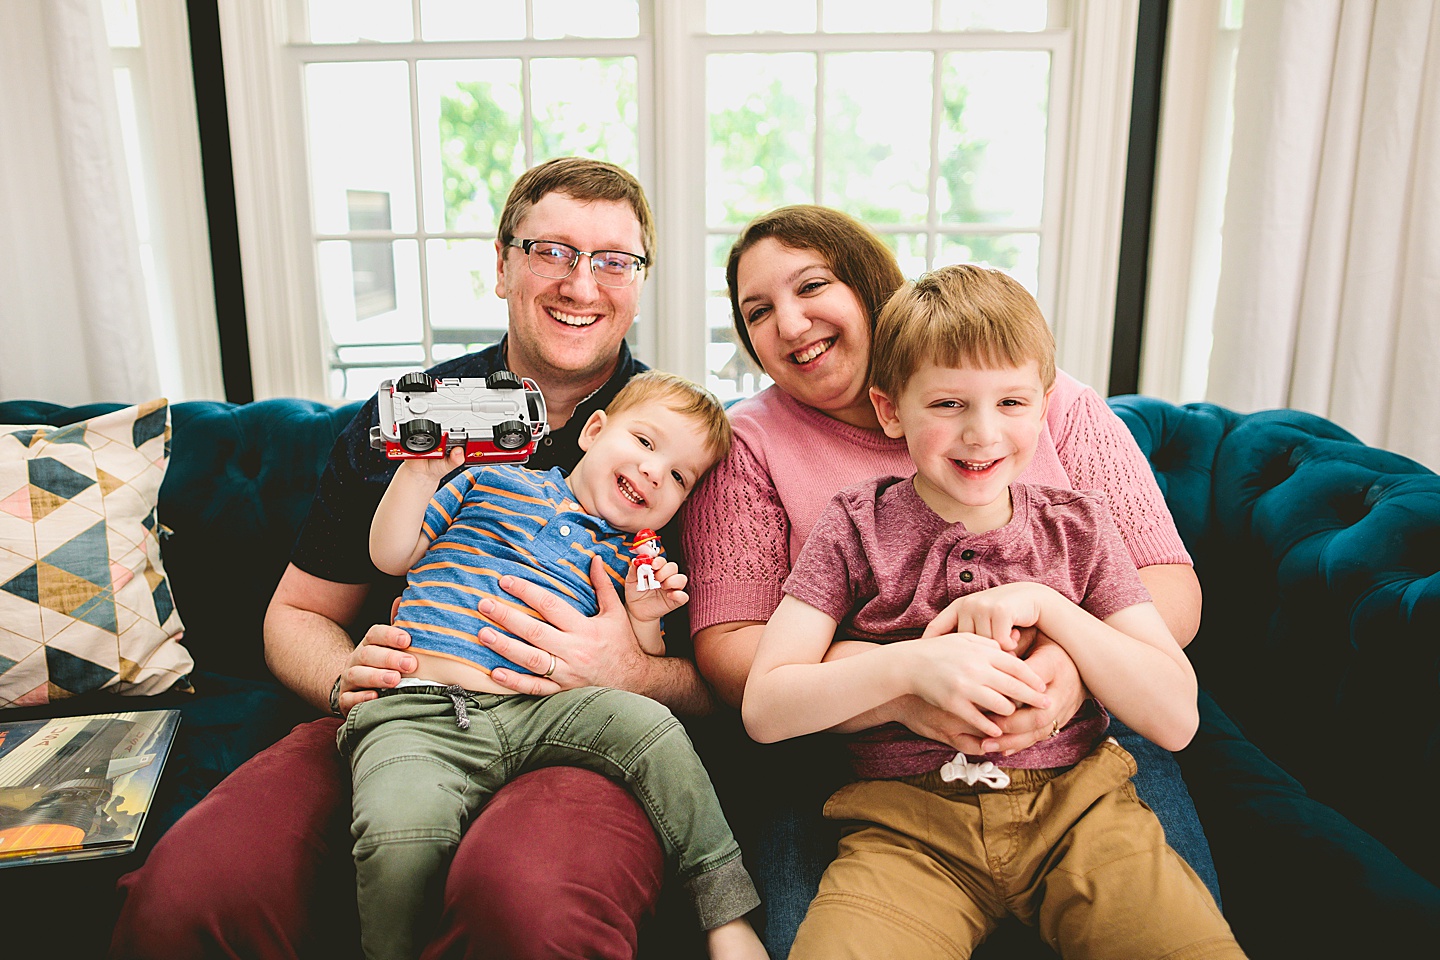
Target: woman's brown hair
x=856, y=255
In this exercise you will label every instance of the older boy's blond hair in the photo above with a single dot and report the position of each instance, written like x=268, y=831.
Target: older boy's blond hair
x=685, y=397
x=957, y=315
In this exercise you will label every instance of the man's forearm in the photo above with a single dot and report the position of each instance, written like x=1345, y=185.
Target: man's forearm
x=675, y=682
x=306, y=652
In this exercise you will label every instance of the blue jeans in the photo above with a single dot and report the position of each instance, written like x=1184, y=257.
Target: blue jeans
x=796, y=844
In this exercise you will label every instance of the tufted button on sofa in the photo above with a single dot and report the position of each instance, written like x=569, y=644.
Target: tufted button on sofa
x=1314, y=771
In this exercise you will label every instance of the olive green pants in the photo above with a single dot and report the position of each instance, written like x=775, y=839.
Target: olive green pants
x=927, y=869
x=420, y=778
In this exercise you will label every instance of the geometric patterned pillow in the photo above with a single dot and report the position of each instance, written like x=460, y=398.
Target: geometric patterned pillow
x=84, y=602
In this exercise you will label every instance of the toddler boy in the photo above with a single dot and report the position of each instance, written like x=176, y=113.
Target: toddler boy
x=425, y=756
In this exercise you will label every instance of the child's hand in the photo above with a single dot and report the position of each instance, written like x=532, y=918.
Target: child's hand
x=970, y=676
x=647, y=605
x=1000, y=613
x=435, y=468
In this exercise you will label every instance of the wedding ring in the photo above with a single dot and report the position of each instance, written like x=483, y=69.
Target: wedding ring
x=1054, y=724
x=548, y=673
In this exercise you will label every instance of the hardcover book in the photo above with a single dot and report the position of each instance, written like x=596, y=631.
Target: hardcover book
x=79, y=787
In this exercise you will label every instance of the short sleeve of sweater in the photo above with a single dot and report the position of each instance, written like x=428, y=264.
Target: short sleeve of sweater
x=832, y=572
x=736, y=535
x=1099, y=453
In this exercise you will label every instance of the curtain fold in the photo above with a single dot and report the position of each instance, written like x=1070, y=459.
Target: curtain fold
x=1329, y=291
x=74, y=318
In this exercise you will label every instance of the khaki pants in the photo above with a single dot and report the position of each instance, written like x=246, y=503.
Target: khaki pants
x=927, y=869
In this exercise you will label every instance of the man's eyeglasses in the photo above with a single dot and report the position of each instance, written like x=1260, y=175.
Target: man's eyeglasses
x=555, y=261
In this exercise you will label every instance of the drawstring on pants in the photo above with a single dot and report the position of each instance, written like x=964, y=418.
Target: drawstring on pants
x=456, y=693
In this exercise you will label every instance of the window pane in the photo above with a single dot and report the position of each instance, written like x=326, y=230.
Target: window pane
x=468, y=20
x=1010, y=15
x=867, y=16
x=470, y=121
x=910, y=250
x=992, y=139
x=1018, y=254
x=762, y=134
x=463, y=306
x=877, y=135
x=760, y=16
x=359, y=136
x=730, y=373
x=122, y=23
x=348, y=21
x=366, y=298
x=586, y=18
x=361, y=382
x=588, y=107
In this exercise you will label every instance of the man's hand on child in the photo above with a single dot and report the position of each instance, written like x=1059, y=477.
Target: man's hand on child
x=378, y=662
x=655, y=603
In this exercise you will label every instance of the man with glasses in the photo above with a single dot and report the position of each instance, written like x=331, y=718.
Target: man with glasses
x=562, y=862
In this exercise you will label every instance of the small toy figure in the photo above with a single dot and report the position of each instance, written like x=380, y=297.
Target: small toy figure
x=647, y=545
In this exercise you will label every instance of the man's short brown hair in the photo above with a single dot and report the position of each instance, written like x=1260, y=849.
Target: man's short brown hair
x=956, y=315
x=583, y=179
x=685, y=397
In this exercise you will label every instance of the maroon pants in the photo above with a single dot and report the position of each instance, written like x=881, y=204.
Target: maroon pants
x=561, y=863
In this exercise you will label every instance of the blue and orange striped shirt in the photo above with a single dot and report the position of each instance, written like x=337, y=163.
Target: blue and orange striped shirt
x=497, y=519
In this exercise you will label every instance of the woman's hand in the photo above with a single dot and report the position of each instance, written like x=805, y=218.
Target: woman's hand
x=573, y=649
x=377, y=663
x=1029, y=725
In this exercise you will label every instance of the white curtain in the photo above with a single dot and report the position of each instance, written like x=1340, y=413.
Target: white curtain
x=74, y=324
x=1329, y=292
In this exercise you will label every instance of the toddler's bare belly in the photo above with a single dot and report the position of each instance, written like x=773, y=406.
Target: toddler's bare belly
x=438, y=669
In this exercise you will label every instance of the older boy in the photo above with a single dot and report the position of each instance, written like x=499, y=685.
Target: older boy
x=939, y=846
x=427, y=754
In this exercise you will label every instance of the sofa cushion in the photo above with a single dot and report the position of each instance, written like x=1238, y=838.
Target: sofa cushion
x=1320, y=560
x=1289, y=863
x=85, y=604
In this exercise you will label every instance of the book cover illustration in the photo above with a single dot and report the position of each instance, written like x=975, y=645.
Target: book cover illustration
x=79, y=787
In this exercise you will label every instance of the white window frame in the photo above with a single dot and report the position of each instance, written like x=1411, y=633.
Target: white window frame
x=1089, y=140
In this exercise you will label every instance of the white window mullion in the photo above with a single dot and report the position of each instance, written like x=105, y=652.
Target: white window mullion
x=677, y=286
x=422, y=247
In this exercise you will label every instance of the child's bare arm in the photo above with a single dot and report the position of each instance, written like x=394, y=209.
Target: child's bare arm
x=792, y=690
x=397, y=534
x=647, y=607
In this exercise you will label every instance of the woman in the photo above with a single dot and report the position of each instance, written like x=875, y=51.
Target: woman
x=806, y=284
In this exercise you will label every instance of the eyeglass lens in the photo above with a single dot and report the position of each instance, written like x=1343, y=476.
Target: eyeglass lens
x=555, y=260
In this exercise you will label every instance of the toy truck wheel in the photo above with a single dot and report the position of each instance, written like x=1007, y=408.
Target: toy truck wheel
x=503, y=380
x=419, y=436
x=511, y=435
x=415, y=383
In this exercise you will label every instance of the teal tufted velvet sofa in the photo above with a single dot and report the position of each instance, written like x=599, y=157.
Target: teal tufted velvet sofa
x=1318, y=759
x=1319, y=657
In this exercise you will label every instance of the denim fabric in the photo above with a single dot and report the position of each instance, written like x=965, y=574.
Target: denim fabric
x=795, y=844
x=419, y=778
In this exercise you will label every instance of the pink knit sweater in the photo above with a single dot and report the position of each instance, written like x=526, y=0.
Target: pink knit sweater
x=750, y=516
